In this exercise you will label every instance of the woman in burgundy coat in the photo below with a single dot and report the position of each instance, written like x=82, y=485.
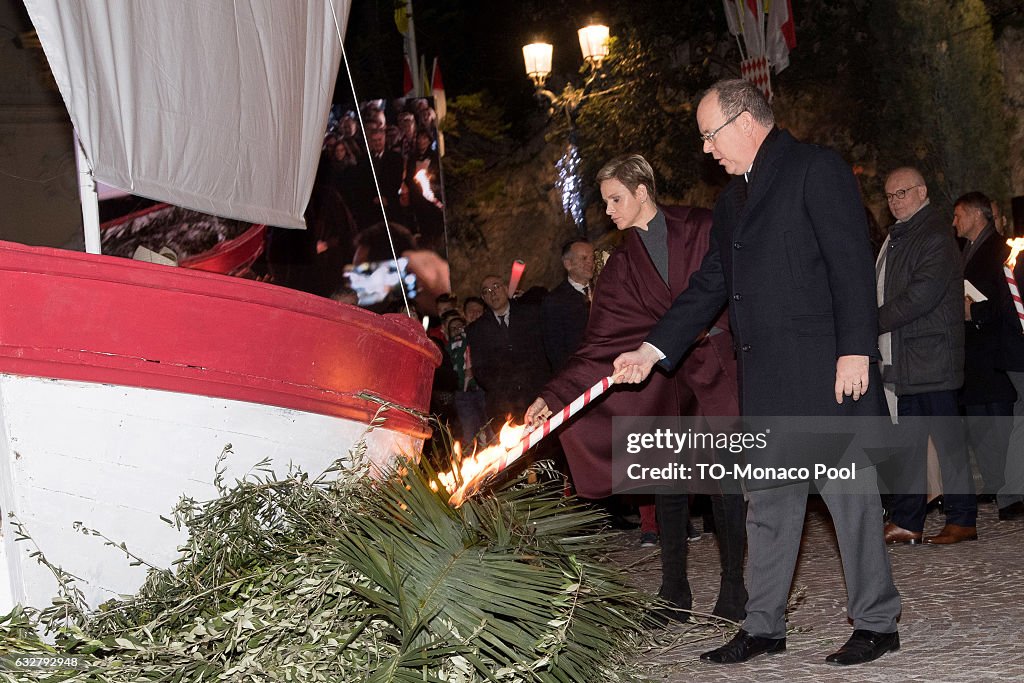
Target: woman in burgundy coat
x=662, y=247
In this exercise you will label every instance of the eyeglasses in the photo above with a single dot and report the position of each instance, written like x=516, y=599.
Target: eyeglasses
x=492, y=289
x=710, y=137
x=899, y=194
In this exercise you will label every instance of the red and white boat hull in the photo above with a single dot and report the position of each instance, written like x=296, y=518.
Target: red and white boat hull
x=121, y=383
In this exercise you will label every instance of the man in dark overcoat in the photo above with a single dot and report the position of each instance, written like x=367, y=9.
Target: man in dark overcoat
x=507, y=352
x=790, y=255
x=987, y=395
x=566, y=308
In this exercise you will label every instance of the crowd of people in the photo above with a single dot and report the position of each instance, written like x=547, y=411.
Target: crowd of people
x=402, y=145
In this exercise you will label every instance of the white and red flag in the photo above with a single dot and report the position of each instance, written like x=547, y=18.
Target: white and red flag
x=437, y=88
x=780, y=33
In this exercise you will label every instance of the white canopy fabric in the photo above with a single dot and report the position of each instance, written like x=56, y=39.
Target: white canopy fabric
x=215, y=106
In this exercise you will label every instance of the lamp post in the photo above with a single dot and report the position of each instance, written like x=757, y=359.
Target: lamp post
x=537, y=60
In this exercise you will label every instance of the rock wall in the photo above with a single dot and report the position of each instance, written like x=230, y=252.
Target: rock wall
x=1011, y=54
x=521, y=218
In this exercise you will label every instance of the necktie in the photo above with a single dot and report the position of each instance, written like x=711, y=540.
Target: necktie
x=586, y=293
x=504, y=321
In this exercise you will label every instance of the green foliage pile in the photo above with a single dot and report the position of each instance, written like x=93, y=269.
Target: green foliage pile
x=347, y=578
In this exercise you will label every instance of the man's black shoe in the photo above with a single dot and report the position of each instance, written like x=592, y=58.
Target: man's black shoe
x=1012, y=512
x=742, y=647
x=864, y=646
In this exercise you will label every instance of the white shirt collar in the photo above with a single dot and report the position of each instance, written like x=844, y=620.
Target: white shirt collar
x=577, y=286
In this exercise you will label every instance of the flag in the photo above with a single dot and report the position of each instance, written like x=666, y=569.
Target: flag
x=781, y=33
x=402, y=18
x=751, y=17
x=408, y=87
x=424, y=80
x=756, y=71
x=437, y=86
x=732, y=16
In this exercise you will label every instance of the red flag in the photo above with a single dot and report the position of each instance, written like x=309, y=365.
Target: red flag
x=437, y=86
x=407, y=85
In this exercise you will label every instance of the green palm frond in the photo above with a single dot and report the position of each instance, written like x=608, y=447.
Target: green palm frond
x=359, y=579
x=504, y=568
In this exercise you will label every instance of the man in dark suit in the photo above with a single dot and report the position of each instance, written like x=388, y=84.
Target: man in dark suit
x=987, y=394
x=390, y=169
x=790, y=255
x=507, y=351
x=566, y=308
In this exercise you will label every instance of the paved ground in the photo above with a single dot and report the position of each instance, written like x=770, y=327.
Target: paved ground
x=963, y=611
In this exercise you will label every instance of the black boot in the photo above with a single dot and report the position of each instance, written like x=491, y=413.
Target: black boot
x=673, y=513
x=730, y=520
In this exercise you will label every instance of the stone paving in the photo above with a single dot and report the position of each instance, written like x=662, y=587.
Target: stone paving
x=963, y=611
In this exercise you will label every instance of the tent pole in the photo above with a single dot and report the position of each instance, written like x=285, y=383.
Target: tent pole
x=90, y=202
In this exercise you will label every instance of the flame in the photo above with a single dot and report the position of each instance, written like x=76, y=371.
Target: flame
x=1016, y=246
x=468, y=473
x=424, y=182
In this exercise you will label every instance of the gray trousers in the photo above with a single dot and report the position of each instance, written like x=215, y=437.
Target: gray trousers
x=1013, y=486
x=775, y=522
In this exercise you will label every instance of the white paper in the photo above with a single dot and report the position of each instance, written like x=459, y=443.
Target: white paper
x=973, y=292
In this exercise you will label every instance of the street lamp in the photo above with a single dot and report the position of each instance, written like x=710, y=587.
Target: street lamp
x=538, y=62
x=594, y=44
x=537, y=58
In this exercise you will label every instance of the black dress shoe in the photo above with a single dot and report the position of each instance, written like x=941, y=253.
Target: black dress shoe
x=1012, y=512
x=742, y=647
x=864, y=646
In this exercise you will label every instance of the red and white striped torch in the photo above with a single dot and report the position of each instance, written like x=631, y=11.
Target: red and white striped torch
x=513, y=443
x=1016, y=245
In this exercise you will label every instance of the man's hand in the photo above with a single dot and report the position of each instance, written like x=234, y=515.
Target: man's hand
x=432, y=272
x=633, y=367
x=967, y=308
x=536, y=414
x=851, y=377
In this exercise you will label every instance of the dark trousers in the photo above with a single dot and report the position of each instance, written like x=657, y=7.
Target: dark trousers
x=729, y=512
x=946, y=429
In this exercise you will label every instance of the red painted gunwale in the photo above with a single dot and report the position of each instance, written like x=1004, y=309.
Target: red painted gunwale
x=103, y=319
